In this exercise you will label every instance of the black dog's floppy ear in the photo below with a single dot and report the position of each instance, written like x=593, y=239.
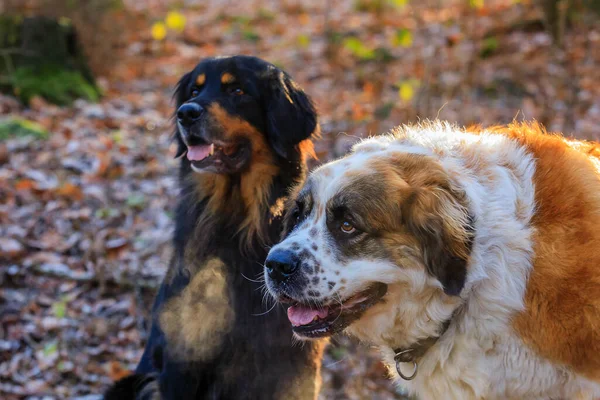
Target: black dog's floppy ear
x=291, y=114
x=180, y=96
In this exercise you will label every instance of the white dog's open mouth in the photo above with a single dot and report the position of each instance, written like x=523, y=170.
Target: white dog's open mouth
x=310, y=321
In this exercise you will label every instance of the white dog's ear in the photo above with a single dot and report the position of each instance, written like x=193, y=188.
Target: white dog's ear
x=444, y=229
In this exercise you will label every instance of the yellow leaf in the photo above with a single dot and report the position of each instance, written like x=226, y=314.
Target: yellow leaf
x=303, y=41
x=402, y=38
x=175, y=21
x=406, y=91
x=398, y=3
x=64, y=21
x=159, y=31
x=476, y=3
x=358, y=48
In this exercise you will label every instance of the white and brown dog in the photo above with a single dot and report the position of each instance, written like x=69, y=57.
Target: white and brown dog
x=472, y=258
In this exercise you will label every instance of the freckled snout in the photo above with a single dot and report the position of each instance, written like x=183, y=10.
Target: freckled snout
x=281, y=264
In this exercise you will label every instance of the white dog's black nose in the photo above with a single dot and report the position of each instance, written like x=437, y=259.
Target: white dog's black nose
x=188, y=113
x=281, y=264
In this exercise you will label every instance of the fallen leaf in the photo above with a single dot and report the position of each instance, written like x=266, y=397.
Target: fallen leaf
x=403, y=38
x=70, y=191
x=159, y=31
x=175, y=21
x=116, y=371
x=25, y=184
x=406, y=91
x=10, y=248
x=59, y=309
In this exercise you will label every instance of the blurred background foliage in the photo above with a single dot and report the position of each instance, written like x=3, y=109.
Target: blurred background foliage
x=52, y=48
x=86, y=170
x=372, y=38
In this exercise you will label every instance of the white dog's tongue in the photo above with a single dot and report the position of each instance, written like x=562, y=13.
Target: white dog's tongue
x=301, y=315
x=197, y=153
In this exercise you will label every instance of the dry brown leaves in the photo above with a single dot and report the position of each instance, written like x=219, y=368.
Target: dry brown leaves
x=86, y=214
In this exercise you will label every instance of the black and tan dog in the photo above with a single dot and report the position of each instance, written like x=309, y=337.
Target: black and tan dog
x=244, y=131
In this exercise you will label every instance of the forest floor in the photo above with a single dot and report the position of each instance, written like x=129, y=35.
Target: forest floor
x=86, y=213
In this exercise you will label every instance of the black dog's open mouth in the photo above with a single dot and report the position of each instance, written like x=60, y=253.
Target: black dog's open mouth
x=219, y=157
x=314, y=322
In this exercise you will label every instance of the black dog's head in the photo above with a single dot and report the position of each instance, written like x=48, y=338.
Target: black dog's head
x=231, y=109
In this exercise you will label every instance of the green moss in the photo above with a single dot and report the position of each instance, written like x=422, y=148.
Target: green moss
x=56, y=85
x=488, y=47
x=42, y=58
x=383, y=112
x=266, y=15
x=17, y=127
x=358, y=48
x=372, y=6
x=250, y=35
x=9, y=31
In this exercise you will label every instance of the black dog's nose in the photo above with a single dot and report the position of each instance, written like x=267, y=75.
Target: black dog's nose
x=281, y=264
x=188, y=113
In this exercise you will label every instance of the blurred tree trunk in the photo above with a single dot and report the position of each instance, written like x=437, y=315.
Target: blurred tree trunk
x=555, y=15
x=42, y=57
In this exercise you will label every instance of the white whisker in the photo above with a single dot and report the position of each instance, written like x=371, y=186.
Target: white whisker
x=251, y=280
x=339, y=300
x=335, y=362
x=266, y=312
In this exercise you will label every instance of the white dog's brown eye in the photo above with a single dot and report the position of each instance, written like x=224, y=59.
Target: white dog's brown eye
x=347, y=227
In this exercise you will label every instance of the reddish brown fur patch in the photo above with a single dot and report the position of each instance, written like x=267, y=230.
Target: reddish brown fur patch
x=307, y=149
x=255, y=182
x=227, y=78
x=200, y=79
x=408, y=200
x=422, y=184
x=562, y=317
x=308, y=384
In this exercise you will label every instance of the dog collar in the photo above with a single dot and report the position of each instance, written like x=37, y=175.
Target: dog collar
x=417, y=350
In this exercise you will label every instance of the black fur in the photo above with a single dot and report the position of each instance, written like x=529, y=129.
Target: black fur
x=257, y=359
x=291, y=114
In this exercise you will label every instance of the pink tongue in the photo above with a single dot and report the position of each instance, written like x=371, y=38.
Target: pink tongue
x=197, y=153
x=301, y=315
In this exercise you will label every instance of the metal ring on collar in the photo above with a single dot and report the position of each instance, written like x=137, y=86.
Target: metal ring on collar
x=398, y=362
x=412, y=375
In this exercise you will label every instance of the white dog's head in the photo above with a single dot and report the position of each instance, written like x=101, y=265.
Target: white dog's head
x=376, y=243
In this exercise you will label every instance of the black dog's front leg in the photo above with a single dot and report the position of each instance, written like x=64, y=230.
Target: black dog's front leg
x=150, y=375
x=151, y=360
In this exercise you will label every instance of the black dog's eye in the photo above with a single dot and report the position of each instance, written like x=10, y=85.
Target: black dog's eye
x=195, y=92
x=236, y=91
x=296, y=215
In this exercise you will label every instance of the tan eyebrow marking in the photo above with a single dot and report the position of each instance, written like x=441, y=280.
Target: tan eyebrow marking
x=227, y=78
x=200, y=79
